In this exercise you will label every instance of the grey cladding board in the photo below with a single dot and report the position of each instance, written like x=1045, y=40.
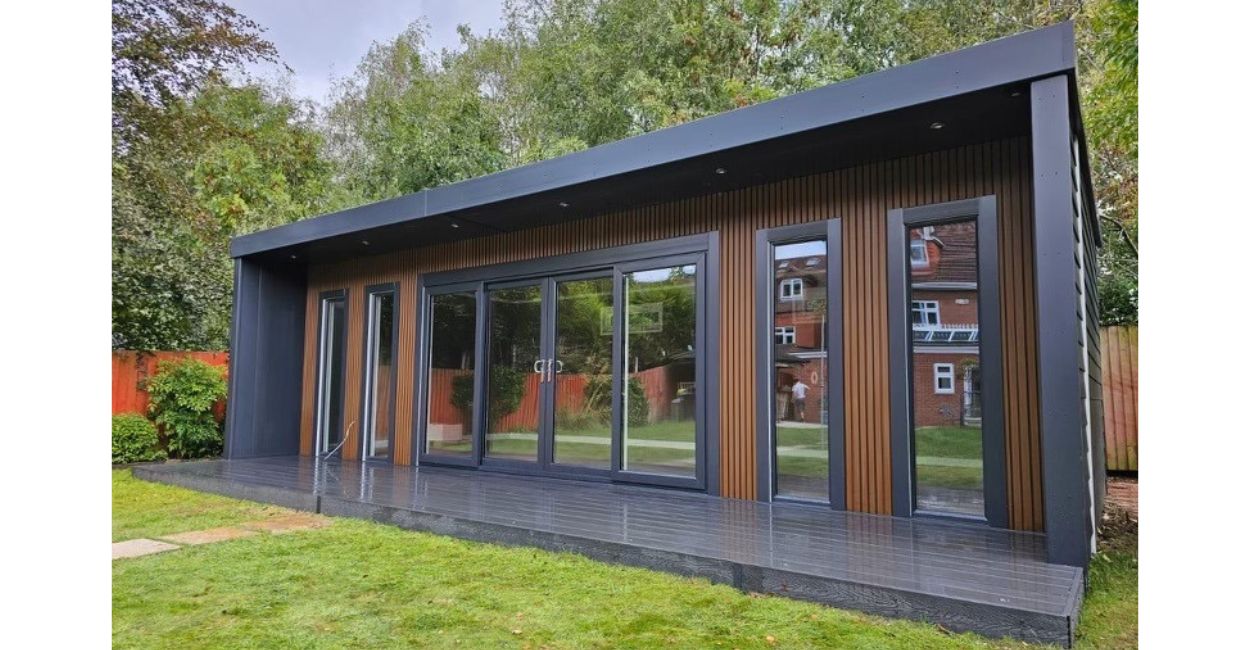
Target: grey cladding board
x=964, y=577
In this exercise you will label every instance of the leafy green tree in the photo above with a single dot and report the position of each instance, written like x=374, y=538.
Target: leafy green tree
x=196, y=161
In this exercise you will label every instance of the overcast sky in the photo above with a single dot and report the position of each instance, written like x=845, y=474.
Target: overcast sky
x=322, y=40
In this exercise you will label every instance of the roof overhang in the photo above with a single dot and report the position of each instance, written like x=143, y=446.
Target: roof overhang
x=979, y=94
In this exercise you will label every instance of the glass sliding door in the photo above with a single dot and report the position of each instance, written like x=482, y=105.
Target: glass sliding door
x=331, y=347
x=517, y=369
x=659, y=410
x=379, y=399
x=590, y=373
x=945, y=369
x=800, y=368
x=450, y=376
x=582, y=385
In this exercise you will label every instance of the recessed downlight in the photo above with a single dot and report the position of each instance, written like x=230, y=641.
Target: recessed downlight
x=364, y=242
x=937, y=126
x=455, y=225
x=720, y=170
x=564, y=204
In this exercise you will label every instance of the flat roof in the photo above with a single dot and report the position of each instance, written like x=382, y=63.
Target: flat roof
x=674, y=161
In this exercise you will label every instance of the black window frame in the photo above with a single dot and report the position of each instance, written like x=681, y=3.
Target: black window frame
x=984, y=210
x=766, y=240
x=366, y=378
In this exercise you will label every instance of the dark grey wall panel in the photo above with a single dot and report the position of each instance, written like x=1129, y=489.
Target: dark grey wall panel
x=1064, y=463
x=266, y=361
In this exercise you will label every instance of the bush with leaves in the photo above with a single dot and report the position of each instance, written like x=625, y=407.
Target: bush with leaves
x=135, y=439
x=507, y=387
x=183, y=395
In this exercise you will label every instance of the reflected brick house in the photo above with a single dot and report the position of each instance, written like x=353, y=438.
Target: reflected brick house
x=945, y=330
x=799, y=333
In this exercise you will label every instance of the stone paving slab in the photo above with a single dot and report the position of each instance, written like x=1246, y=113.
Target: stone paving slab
x=288, y=523
x=209, y=535
x=140, y=547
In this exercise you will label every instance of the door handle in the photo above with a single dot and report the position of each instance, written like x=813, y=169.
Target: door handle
x=540, y=367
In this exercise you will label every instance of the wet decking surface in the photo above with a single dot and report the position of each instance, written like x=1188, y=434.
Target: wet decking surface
x=963, y=576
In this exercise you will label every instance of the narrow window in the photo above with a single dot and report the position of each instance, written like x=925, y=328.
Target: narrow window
x=449, y=406
x=800, y=369
x=379, y=402
x=330, y=368
x=944, y=378
x=946, y=427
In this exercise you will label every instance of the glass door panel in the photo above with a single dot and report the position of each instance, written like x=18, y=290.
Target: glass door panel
x=516, y=370
x=582, y=433
x=658, y=420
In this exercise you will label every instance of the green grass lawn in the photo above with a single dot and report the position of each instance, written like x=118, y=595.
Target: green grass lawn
x=361, y=584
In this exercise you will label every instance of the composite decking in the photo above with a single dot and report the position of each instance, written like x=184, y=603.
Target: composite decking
x=965, y=577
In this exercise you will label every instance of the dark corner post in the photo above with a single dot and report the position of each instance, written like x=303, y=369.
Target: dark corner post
x=266, y=360
x=1065, y=484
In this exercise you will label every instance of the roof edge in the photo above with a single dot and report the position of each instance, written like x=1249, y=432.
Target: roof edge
x=1029, y=55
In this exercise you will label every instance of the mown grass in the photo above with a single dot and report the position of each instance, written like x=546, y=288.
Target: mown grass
x=142, y=509
x=360, y=584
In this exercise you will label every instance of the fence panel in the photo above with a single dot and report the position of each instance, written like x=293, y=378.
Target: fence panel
x=131, y=368
x=1119, y=381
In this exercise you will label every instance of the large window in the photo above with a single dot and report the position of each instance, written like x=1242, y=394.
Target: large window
x=379, y=402
x=450, y=375
x=799, y=390
x=945, y=363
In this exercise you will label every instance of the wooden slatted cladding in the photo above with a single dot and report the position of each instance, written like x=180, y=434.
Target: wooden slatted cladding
x=861, y=196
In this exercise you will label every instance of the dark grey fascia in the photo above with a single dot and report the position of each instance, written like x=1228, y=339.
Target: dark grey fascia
x=1031, y=55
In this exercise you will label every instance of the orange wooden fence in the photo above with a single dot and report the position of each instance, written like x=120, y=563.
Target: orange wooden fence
x=131, y=368
x=1119, y=393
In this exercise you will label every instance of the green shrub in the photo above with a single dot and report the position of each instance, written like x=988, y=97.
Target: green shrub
x=598, y=394
x=135, y=439
x=507, y=387
x=183, y=395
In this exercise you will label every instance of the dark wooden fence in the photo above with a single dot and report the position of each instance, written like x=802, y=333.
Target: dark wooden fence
x=1119, y=381
x=131, y=368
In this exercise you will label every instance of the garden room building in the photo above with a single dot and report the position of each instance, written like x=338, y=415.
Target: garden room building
x=871, y=298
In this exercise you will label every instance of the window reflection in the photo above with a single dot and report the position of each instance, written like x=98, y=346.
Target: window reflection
x=453, y=319
x=800, y=358
x=946, y=377
x=659, y=401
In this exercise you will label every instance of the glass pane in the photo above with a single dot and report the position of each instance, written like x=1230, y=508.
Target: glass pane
x=660, y=393
x=583, y=373
x=449, y=424
x=799, y=371
x=947, y=413
x=333, y=330
x=381, y=374
x=513, y=384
